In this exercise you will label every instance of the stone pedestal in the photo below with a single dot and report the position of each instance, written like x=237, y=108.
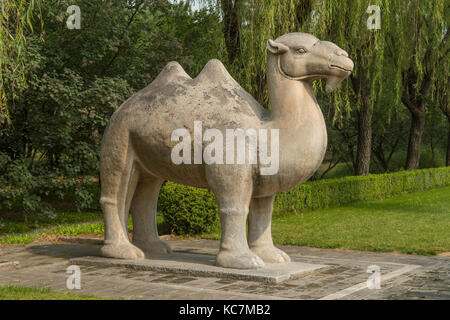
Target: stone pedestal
x=203, y=265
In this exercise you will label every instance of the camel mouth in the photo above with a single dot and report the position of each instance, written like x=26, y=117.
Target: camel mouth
x=334, y=66
x=342, y=63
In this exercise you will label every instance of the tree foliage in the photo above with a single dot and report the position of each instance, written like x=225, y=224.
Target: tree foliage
x=16, y=19
x=77, y=78
x=60, y=86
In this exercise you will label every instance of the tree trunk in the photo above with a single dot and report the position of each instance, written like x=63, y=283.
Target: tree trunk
x=447, y=162
x=379, y=155
x=231, y=28
x=415, y=138
x=364, y=138
x=303, y=12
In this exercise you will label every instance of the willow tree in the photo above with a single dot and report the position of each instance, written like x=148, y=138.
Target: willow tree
x=389, y=61
x=231, y=27
x=443, y=102
x=420, y=50
x=337, y=21
x=247, y=25
x=346, y=23
x=15, y=18
x=398, y=61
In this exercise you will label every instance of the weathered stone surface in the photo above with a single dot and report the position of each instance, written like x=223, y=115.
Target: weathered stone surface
x=8, y=265
x=137, y=146
x=203, y=265
x=46, y=265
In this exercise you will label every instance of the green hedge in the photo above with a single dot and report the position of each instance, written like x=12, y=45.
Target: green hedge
x=189, y=210
x=337, y=192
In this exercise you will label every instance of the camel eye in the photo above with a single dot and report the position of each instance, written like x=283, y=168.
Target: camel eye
x=300, y=50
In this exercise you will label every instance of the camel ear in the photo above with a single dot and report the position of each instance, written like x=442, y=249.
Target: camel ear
x=276, y=47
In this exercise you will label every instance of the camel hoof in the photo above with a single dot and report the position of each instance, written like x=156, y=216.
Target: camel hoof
x=122, y=251
x=271, y=254
x=239, y=260
x=153, y=247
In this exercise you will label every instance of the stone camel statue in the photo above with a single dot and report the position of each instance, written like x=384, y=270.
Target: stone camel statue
x=136, y=149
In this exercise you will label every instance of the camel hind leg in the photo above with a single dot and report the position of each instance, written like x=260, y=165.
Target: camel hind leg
x=118, y=178
x=143, y=211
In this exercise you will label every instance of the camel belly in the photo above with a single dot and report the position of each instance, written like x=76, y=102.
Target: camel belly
x=154, y=158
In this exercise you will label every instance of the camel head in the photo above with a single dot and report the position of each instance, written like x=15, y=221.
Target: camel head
x=302, y=56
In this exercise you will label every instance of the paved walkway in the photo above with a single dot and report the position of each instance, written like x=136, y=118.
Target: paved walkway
x=402, y=276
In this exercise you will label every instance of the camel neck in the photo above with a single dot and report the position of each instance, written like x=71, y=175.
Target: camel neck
x=290, y=100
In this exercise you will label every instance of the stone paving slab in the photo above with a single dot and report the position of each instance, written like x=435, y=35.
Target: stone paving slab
x=405, y=276
x=203, y=265
x=8, y=265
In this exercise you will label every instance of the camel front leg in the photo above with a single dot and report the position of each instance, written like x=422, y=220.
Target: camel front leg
x=259, y=231
x=233, y=190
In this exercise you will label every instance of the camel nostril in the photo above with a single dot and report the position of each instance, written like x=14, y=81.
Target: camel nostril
x=340, y=52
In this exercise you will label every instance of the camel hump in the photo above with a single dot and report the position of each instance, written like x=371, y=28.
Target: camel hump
x=213, y=72
x=172, y=72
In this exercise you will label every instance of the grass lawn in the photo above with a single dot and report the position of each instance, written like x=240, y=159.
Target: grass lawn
x=22, y=293
x=415, y=223
x=15, y=223
x=93, y=226
x=14, y=231
x=64, y=230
